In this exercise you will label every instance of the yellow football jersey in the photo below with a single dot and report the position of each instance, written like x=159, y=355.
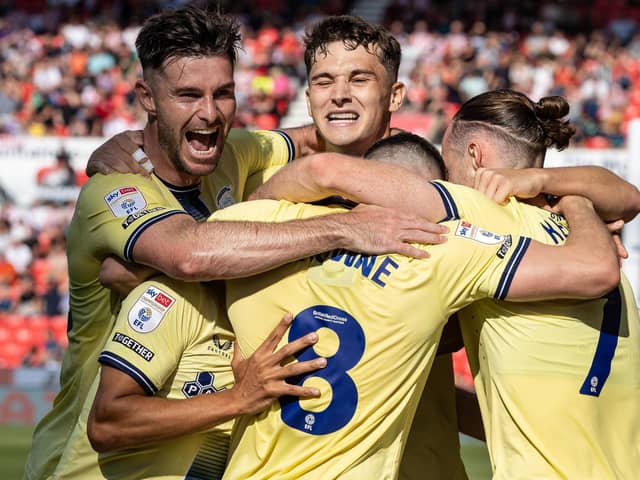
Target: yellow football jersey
x=175, y=342
x=433, y=444
x=111, y=213
x=379, y=319
x=558, y=381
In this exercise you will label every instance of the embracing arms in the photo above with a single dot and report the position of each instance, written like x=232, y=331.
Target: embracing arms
x=586, y=266
x=612, y=197
x=123, y=416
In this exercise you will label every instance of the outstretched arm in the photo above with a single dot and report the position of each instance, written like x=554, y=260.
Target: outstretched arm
x=586, y=266
x=184, y=249
x=364, y=181
x=123, y=416
x=613, y=197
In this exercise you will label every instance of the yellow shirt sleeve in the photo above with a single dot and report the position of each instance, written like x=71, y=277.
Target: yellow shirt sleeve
x=116, y=209
x=153, y=329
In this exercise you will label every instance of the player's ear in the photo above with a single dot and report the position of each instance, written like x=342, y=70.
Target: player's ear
x=306, y=97
x=398, y=92
x=145, y=96
x=475, y=152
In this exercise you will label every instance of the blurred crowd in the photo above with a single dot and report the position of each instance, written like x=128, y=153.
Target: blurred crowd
x=68, y=67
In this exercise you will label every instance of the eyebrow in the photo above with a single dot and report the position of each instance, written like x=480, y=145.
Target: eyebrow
x=352, y=73
x=193, y=88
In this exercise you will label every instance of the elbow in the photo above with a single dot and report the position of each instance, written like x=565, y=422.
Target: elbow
x=605, y=277
x=102, y=436
x=323, y=168
x=186, y=268
x=634, y=208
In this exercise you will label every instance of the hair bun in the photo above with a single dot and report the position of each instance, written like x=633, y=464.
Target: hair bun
x=551, y=107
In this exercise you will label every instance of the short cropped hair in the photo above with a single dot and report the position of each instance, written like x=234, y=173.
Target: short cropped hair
x=187, y=32
x=353, y=32
x=409, y=150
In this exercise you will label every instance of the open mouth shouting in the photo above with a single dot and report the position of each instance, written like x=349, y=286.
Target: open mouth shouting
x=202, y=142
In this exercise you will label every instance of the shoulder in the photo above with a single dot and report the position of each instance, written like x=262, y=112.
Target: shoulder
x=271, y=211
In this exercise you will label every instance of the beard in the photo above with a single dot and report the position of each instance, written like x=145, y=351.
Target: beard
x=169, y=140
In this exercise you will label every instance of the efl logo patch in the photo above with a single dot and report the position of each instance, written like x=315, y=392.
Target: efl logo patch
x=467, y=230
x=224, y=197
x=149, y=310
x=125, y=200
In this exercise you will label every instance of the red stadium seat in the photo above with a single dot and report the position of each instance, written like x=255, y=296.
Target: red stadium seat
x=12, y=320
x=6, y=335
x=11, y=354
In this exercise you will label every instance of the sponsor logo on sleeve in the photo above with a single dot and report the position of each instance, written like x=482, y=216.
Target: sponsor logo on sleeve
x=134, y=216
x=149, y=310
x=224, y=197
x=134, y=346
x=504, y=248
x=124, y=201
x=470, y=231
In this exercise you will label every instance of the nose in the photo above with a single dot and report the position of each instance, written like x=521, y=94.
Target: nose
x=341, y=93
x=208, y=110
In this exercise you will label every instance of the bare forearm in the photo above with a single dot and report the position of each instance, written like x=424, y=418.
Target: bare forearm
x=224, y=250
x=133, y=420
x=363, y=181
x=248, y=248
x=585, y=267
x=121, y=276
x=305, y=139
x=612, y=197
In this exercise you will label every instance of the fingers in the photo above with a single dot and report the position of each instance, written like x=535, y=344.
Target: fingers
x=296, y=391
x=271, y=342
x=291, y=348
x=408, y=250
x=615, y=227
x=143, y=162
x=420, y=236
x=622, y=251
x=128, y=142
x=300, y=368
x=135, y=136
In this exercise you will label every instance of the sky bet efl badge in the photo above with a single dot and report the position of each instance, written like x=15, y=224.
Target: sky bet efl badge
x=467, y=230
x=125, y=200
x=149, y=310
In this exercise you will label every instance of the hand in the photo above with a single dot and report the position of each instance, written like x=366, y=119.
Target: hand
x=261, y=378
x=378, y=230
x=615, y=228
x=501, y=183
x=116, y=155
x=121, y=276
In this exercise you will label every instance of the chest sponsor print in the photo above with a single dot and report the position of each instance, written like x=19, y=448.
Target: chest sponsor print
x=149, y=310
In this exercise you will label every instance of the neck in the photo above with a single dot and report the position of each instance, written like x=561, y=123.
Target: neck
x=358, y=149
